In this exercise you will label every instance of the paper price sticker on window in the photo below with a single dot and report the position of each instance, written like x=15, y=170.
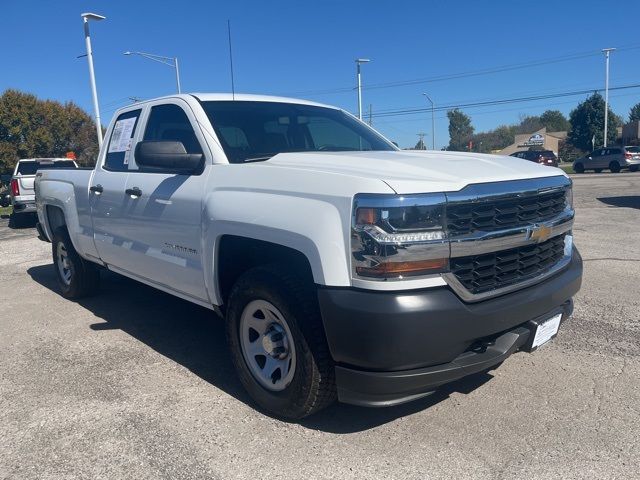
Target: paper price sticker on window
x=121, y=136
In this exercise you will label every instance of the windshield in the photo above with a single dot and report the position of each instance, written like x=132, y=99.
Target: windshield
x=254, y=131
x=30, y=168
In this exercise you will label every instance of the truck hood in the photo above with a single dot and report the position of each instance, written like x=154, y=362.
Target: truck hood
x=418, y=172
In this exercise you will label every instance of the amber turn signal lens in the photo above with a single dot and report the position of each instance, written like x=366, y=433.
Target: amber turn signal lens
x=366, y=216
x=405, y=269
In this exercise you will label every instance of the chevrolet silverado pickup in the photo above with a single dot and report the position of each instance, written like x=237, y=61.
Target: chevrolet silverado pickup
x=344, y=268
x=21, y=185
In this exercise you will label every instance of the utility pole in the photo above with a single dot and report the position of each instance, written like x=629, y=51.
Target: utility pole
x=370, y=114
x=433, y=123
x=606, y=51
x=421, y=145
x=360, y=61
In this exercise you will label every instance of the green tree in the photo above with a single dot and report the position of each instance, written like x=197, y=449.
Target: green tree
x=634, y=113
x=587, y=121
x=460, y=130
x=554, y=121
x=30, y=127
x=528, y=124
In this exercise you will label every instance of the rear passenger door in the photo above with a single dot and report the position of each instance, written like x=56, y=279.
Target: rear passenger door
x=164, y=221
x=109, y=203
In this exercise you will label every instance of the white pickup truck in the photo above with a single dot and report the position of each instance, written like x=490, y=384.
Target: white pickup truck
x=344, y=267
x=22, y=180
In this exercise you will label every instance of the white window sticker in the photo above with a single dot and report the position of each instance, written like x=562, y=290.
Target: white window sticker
x=121, y=136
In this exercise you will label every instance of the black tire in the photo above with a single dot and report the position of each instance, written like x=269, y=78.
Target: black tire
x=312, y=386
x=614, y=167
x=633, y=168
x=17, y=220
x=597, y=170
x=84, y=276
x=578, y=168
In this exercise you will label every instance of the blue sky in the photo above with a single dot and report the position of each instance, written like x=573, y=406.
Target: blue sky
x=301, y=48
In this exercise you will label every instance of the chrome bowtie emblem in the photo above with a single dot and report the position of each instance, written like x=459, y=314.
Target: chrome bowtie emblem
x=538, y=233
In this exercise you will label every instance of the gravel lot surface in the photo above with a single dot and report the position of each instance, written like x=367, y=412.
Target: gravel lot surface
x=134, y=383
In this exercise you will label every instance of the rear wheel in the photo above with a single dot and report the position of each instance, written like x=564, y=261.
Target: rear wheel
x=633, y=168
x=614, y=167
x=277, y=343
x=578, y=168
x=76, y=277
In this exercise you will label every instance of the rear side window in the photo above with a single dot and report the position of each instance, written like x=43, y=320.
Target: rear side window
x=169, y=122
x=613, y=151
x=30, y=168
x=119, y=150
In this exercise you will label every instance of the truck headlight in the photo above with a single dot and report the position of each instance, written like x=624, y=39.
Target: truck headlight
x=569, y=196
x=394, y=237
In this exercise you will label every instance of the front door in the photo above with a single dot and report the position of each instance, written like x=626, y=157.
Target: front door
x=164, y=217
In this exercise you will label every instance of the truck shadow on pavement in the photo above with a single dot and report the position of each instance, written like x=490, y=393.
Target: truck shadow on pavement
x=194, y=337
x=632, y=201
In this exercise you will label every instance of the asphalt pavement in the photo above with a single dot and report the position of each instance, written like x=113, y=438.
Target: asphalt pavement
x=137, y=384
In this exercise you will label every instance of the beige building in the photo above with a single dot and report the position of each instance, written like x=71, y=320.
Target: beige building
x=539, y=139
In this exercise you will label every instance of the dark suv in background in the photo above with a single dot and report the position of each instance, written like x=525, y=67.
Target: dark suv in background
x=543, y=157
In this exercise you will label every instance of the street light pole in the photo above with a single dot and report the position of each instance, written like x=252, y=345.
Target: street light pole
x=433, y=123
x=360, y=61
x=606, y=51
x=94, y=91
x=175, y=62
x=170, y=61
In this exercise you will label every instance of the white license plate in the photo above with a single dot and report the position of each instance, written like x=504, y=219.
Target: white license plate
x=546, y=330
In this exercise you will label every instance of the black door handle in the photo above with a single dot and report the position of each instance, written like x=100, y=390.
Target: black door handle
x=97, y=189
x=134, y=192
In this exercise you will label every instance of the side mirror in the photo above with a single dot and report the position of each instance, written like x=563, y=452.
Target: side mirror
x=590, y=158
x=167, y=156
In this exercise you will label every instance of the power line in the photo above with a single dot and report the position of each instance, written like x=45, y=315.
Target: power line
x=467, y=74
x=418, y=110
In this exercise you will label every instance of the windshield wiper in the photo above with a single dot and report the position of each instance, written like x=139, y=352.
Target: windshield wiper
x=258, y=159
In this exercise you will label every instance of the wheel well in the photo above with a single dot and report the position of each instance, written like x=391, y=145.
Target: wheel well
x=55, y=218
x=237, y=254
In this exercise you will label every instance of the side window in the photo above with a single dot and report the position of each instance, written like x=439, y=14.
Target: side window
x=119, y=149
x=595, y=153
x=169, y=122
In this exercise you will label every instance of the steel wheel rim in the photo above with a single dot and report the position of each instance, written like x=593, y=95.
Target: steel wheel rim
x=64, y=266
x=267, y=345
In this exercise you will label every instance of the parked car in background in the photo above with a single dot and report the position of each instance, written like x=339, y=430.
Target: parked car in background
x=543, y=157
x=21, y=189
x=612, y=158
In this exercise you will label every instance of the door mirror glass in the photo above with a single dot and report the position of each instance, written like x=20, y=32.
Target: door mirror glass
x=167, y=156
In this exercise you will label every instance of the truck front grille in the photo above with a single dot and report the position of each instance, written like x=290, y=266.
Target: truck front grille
x=466, y=218
x=492, y=271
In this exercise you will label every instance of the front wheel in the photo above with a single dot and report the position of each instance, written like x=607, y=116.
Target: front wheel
x=614, y=167
x=76, y=277
x=277, y=343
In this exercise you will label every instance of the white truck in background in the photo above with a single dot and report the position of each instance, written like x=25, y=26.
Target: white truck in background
x=21, y=184
x=344, y=267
